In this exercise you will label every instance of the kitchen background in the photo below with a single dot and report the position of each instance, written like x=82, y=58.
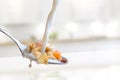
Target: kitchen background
x=87, y=28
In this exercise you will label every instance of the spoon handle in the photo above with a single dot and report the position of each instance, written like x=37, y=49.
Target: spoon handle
x=21, y=46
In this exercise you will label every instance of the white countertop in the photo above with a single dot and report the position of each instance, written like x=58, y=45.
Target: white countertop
x=87, y=61
x=75, y=60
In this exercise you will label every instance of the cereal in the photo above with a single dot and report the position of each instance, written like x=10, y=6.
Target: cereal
x=35, y=49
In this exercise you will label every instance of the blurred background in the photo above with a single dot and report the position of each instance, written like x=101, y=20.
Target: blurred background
x=85, y=31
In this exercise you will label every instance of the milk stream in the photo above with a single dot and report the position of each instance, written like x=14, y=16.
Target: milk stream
x=50, y=20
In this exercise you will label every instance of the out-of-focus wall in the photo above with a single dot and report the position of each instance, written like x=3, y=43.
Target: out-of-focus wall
x=35, y=11
x=31, y=11
x=74, y=19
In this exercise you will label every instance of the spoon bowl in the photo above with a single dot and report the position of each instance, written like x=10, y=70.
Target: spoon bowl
x=26, y=54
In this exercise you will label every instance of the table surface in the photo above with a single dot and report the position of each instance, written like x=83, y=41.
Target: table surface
x=75, y=60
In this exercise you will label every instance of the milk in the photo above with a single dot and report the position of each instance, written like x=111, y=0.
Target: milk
x=50, y=20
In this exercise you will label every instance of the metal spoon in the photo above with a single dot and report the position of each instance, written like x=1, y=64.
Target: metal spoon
x=28, y=55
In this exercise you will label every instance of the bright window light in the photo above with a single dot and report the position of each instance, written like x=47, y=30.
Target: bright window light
x=72, y=27
x=112, y=28
x=97, y=28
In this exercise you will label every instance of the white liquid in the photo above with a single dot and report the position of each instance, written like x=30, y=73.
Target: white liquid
x=49, y=23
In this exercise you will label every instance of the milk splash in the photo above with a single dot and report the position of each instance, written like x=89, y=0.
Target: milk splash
x=50, y=20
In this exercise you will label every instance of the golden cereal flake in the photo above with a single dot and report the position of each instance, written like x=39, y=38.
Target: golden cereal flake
x=36, y=52
x=43, y=59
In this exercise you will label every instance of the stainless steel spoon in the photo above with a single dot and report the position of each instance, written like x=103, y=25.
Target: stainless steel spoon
x=28, y=55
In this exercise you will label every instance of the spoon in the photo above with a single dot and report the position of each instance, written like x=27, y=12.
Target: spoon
x=25, y=53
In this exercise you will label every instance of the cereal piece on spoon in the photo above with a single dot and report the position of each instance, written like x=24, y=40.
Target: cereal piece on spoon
x=50, y=53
